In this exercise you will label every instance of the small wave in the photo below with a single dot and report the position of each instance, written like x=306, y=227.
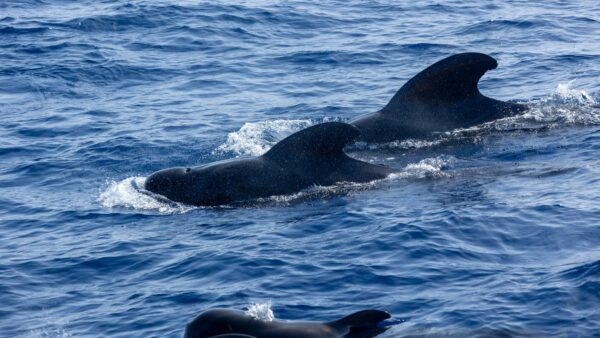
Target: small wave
x=329, y=57
x=108, y=23
x=261, y=311
x=502, y=25
x=128, y=193
x=582, y=271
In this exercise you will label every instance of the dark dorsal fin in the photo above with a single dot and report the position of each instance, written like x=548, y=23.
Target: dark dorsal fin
x=449, y=80
x=233, y=335
x=321, y=139
x=365, y=319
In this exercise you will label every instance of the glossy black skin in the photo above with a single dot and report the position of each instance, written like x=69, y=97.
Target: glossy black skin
x=225, y=322
x=313, y=156
x=442, y=97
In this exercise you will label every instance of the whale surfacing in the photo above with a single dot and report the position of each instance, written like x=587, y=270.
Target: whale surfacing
x=442, y=97
x=313, y=156
x=227, y=323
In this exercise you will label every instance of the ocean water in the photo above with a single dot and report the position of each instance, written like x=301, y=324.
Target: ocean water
x=490, y=231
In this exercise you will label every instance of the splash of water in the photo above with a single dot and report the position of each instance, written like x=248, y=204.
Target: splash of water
x=51, y=333
x=128, y=193
x=256, y=138
x=51, y=328
x=564, y=91
x=428, y=168
x=565, y=106
x=261, y=311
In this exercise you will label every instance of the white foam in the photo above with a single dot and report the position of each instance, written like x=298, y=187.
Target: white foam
x=261, y=311
x=256, y=138
x=398, y=144
x=50, y=333
x=565, y=106
x=568, y=106
x=52, y=328
x=128, y=193
x=565, y=91
x=428, y=168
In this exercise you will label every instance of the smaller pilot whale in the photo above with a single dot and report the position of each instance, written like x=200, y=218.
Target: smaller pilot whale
x=313, y=156
x=233, y=335
x=227, y=323
x=440, y=98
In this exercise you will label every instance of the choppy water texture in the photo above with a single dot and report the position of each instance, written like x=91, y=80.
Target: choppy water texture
x=489, y=231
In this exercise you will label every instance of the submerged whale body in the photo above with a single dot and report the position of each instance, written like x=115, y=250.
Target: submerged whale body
x=442, y=97
x=313, y=156
x=233, y=335
x=226, y=323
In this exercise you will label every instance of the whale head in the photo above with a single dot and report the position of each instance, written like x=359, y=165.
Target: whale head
x=171, y=183
x=198, y=186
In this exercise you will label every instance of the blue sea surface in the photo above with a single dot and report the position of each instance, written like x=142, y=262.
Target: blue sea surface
x=489, y=231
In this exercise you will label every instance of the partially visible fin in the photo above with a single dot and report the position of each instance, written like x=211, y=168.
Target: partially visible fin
x=233, y=335
x=449, y=80
x=365, y=319
x=321, y=139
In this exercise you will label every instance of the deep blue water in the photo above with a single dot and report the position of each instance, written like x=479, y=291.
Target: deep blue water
x=489, y=231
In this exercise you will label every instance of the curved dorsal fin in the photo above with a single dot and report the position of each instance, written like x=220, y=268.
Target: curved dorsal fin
x=321, y=139
x=364, y=319
x=449, y=80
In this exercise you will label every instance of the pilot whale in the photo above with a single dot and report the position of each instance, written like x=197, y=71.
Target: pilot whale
x=440, y=98
x=227, y=323
x=233, y=335
x=313, y=156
